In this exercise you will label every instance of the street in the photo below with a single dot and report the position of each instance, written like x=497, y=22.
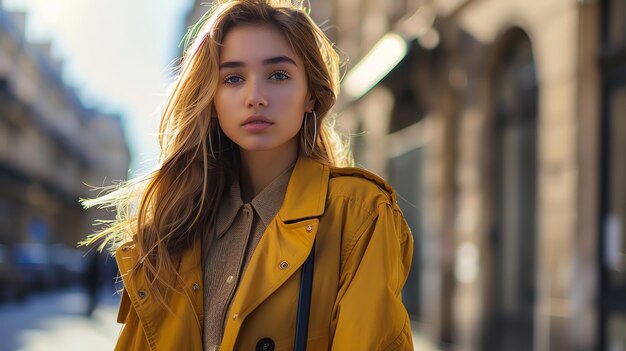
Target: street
x=57, y=321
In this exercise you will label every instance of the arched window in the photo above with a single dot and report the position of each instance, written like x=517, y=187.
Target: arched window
x=514, y=189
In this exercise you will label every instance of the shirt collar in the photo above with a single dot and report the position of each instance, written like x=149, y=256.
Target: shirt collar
x=227, y=211
x=266, y=204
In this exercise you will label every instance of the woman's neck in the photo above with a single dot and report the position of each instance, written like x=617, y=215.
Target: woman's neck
x=260, y=168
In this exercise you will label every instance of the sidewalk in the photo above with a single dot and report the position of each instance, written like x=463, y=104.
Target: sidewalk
x=57, y=321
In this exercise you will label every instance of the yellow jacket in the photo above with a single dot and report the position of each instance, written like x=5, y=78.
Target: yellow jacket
x=362, y=258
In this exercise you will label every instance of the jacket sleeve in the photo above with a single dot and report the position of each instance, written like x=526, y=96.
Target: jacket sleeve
x=369, y=313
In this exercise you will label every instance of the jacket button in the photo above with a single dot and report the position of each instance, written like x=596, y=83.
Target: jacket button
x=309, y=228
x=125, y=248
x=265, y=344
x=284, y=265
x=195, y=287
x=142, y=294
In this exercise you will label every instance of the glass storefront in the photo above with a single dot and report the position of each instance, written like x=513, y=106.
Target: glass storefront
x=615, y=261
x=613, y=251
x=405, y=175
x=613, y=186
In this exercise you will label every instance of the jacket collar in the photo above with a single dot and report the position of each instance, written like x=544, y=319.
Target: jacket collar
x=306, y=191
x=266, y=204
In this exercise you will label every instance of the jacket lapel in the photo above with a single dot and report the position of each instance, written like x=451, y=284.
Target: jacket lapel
x=306, y=192
x=285, y=245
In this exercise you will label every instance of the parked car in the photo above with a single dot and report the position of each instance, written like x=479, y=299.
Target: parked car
x=68, y=264
x=12, y=284
x=32, y=261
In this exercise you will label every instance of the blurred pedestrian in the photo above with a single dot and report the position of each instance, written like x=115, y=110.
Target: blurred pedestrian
x=91, y=280
x=251, y=219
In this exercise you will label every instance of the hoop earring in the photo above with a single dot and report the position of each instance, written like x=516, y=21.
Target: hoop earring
x=306, y=115
x=219, y=141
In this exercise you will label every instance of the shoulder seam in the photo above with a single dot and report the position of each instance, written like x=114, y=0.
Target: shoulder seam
x=384, y=192
x=358, y=233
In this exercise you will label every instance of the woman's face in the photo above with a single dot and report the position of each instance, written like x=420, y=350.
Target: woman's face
x=262, y=92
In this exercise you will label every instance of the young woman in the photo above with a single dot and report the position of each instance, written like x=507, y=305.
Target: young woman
x=250, y=188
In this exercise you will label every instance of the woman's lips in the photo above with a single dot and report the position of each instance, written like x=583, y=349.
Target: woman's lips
x=256, y=126
x=256, y=123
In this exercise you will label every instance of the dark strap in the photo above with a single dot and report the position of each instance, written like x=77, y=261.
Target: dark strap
x=304, y=303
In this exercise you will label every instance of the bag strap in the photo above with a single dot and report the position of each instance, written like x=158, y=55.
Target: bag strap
x=304, y=302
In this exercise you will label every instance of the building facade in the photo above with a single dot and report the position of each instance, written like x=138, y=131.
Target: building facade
x=51, y=147
x=500, y=123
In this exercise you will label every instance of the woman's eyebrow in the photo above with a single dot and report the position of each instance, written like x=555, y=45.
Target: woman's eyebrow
x=279, y=59
x=268, y=61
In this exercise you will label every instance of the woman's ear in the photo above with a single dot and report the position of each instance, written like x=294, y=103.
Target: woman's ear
x=310, y=104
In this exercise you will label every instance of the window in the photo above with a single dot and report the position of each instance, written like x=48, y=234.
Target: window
x=617, y=22
x=615, y=245
x=514, y=175
x=613, y=188
x=405, y=175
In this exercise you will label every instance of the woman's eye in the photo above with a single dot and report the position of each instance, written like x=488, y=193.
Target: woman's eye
x=232, y=80
x=279, y=75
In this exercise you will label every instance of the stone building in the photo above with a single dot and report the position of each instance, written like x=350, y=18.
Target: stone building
x=51, y=146
x=502, y=124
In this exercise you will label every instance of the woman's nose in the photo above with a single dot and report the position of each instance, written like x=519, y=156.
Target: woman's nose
x=256, y=95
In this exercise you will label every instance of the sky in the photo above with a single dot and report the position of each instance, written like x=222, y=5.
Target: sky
x=117, y=54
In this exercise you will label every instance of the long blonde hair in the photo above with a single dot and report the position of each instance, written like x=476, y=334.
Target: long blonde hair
x=164, y=212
